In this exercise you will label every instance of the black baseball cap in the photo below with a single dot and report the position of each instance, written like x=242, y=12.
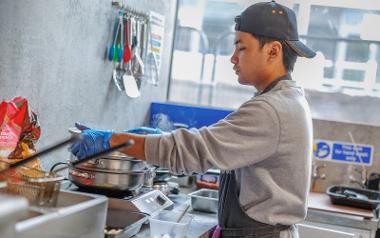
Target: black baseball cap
x=273, y=20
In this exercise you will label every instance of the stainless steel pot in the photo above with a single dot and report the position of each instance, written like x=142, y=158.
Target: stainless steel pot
x=104, y=179
x=116, y=171
x=115, y=163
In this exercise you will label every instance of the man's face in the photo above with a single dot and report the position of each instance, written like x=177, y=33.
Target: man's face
x=249, y=59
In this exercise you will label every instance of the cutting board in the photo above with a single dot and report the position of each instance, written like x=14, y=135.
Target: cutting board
x=321, y=201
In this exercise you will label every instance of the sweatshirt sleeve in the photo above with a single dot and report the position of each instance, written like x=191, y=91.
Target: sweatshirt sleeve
x=245, y=137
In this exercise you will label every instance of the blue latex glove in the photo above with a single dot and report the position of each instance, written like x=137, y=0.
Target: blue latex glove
x=144, y=130
x=91, y=142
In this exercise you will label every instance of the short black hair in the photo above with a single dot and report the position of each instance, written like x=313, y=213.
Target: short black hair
x=289, y=57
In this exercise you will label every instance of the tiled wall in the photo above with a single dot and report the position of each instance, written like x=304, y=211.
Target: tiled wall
x=338, y=173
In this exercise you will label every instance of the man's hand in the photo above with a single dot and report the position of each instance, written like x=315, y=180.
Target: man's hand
x=91, y=141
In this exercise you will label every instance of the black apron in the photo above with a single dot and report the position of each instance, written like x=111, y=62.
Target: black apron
x=232, y=219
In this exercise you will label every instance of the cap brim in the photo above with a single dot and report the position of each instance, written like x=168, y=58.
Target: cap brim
x=300, y=48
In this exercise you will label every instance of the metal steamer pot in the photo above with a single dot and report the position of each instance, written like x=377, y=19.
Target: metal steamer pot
x=99, y=179
x=117, y=173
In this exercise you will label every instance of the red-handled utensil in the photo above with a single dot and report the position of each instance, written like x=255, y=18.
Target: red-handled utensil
x=127, y=51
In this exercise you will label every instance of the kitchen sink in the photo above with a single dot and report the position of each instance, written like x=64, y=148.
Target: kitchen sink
x=79, y=215
x=66, y=199
x=12, y=208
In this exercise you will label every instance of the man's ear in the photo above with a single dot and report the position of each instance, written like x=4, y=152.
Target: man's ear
x=274, y=50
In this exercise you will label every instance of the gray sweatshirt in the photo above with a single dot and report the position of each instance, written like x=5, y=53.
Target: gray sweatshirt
x=268, y=141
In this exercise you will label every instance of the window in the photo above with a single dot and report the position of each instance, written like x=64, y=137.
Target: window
x=347, y=44
x=342, y=32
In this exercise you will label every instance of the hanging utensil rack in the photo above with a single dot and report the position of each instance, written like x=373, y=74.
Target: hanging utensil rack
x=129, y=45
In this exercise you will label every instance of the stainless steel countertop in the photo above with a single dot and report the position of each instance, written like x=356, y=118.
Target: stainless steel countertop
x=334, y=218
x=201, y=223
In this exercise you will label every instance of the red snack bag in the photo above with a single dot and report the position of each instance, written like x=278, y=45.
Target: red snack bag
x=19, y=129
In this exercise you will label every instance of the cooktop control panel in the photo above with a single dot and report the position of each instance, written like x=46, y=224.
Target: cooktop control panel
x=152, y=202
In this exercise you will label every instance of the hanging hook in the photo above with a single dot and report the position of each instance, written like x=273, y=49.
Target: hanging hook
x=131, y=10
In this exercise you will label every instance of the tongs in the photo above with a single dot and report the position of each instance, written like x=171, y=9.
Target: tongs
x=36, y=155
x=60, y=144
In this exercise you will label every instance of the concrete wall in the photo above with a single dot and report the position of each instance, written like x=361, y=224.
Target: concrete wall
x=344, y=108
x=53, y=53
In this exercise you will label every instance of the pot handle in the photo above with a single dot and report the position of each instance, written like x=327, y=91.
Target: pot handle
x=73, y=172
x=57, y=164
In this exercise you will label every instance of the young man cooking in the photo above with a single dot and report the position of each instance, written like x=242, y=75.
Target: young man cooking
x=263, y=148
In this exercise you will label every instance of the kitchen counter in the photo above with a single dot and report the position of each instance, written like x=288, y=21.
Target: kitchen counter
x=321, y=202
x=200, y=225
x=320, y=213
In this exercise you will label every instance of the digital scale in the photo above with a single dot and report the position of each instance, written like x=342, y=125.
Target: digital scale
x=149, y=202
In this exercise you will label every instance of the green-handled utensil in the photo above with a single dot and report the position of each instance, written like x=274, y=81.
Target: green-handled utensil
x=111, y=52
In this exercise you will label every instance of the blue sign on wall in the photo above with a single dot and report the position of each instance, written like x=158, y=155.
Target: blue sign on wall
x=343, y=152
